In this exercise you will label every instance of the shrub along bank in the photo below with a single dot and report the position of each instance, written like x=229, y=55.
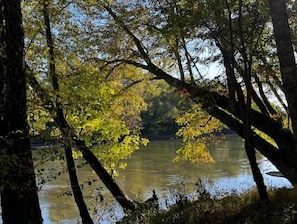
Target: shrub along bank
x=240, y=209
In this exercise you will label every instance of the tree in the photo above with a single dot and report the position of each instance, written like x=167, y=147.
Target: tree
x=174, y=41
x=84, y=213
x=19, y=199
x=286, y=57
x=235, y=35
x=81, y=99
x=164, y=105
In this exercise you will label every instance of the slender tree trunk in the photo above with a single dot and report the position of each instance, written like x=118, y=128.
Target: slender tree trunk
x=246, y=113
x=106, y=178
x=19, y=198
x=282, y=35
x=68, y=132
x=78, y=196
x=249, y=142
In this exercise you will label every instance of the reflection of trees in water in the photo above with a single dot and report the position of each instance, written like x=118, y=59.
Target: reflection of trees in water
x=150, y=168
x=59, y=206
x=230, y=157
x=56, y=193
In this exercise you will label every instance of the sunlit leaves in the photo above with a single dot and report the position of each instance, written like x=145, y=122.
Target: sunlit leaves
x=196, y=122
x=114, y=153
x=194, y=152
x=196, y=129
x=76, y=154
x=104, y=105
x=99, y=104
x=104, y=113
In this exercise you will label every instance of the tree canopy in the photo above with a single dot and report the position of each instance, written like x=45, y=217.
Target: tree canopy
x=238, y=35
x=94, y=67
x=175, y=41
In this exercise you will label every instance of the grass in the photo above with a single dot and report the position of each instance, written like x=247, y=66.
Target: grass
x=230, y=209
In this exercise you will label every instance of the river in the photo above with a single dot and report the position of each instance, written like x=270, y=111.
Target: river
x=151, y=168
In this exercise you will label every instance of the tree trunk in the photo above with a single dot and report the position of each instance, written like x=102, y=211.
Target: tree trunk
x=68, y=132
x=56, y=110
x=106, y=178
x=19, y=198
x=282, y=35
x=78, y=196
x=246, y=113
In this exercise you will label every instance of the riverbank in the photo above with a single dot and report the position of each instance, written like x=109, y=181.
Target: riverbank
x=152, y=168
x=238, y=209
x=156, y=136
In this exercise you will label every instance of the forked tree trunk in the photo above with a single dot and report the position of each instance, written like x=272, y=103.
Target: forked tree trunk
x=19, y=199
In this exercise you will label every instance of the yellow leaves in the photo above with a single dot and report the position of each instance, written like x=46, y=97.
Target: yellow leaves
x=197, y=128
x=194, y=152
x=122, y=165
x=38, y=120
x=196, y=122
x=76, y=154
x=189, y=133
x=113, y=153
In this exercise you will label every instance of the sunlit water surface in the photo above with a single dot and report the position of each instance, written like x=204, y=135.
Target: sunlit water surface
x=151, y=168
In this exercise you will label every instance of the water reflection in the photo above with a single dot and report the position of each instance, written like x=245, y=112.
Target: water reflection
x=152, y=168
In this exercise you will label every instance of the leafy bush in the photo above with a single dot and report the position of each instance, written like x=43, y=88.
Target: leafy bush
x=229, y=208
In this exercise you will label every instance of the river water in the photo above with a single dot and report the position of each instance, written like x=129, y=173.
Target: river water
x=151, y=168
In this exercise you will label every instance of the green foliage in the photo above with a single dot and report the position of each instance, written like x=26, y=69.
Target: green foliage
x=164, y=104
x=40, y=122
x=194, y=152
x=114, y=153
x=95, y=50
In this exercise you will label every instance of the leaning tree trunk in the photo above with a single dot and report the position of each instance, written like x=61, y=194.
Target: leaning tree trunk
x=283, y=156
x=19, y=198
x=69, y=133
x=78, y=196
x=56, y=110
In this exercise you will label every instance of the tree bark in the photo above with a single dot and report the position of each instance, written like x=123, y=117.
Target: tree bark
x=78, y=196
x=19, y=198
x=282, y=35
x=246, y=114
x=283, y=157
